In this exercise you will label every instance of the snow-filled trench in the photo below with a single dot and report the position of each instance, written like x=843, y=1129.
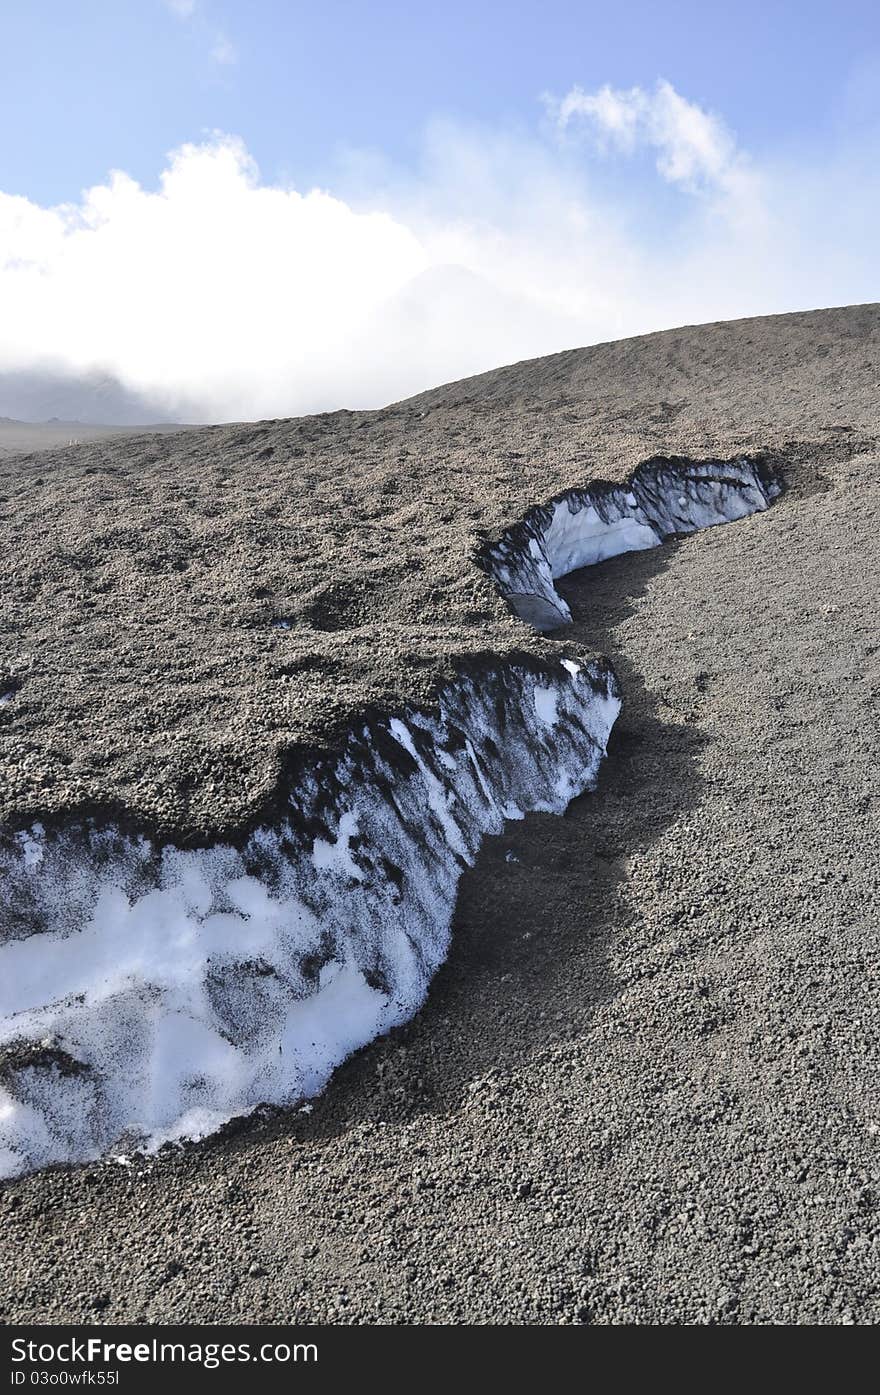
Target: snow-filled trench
x=150, y=993
x=663, y=497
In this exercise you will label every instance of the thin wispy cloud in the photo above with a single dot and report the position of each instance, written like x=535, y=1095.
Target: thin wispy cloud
x=223, y=51
x=219, y=295
x=693, y=146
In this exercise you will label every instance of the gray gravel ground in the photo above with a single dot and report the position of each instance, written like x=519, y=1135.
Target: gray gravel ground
x=25, y=437
x=141, y=579
x=645, y=1085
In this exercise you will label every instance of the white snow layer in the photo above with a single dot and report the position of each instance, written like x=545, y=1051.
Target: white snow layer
x=148, y=993
x=590, y=525
x=172, y=990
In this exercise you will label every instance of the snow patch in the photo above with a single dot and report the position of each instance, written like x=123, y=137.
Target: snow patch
x=587, y=526
x=545, y=705
x=337, y=855
x=150, y=993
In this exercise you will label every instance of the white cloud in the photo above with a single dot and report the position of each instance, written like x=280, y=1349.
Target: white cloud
x=218, y=295
x=183, y=9
x=693, y=146
x=222, y=51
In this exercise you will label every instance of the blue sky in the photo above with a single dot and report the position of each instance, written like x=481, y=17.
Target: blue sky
x=87, y=87
x=499, y=180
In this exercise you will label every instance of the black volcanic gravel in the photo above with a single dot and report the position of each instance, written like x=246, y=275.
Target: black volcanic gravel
x=142, y=580
x=645, y=1086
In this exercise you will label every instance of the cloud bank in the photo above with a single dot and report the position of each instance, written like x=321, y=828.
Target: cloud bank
x=217, y=296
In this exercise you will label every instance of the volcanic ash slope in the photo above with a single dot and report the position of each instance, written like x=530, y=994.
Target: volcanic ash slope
x=265, y=689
